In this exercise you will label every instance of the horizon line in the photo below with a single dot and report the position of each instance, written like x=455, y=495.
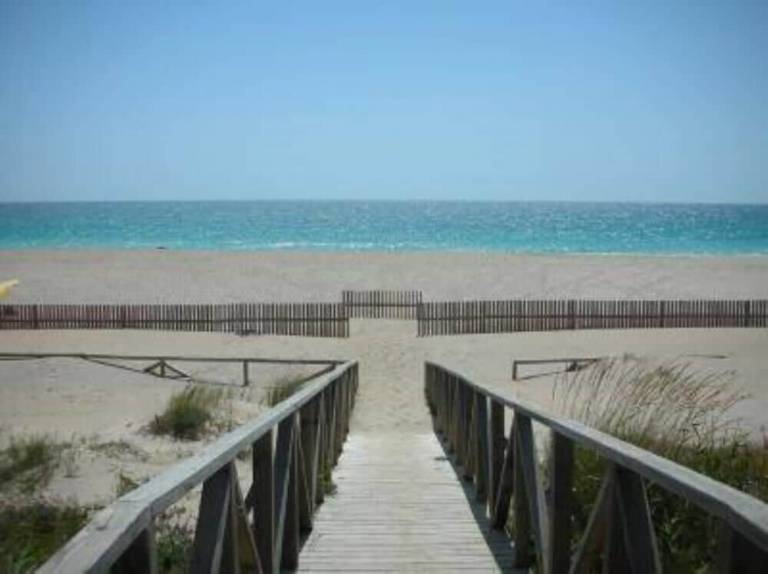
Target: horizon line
x=384, y=200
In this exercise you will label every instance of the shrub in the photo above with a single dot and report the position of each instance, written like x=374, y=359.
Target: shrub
x=678, y=413
x=188, y=413
x=31, y=533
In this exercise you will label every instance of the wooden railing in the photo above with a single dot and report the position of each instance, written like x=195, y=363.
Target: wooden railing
x=161, y=365
x=506, y=472
x=571, y=364
x=303, y=319
x=293, y=448
x=382, y=304
x=459, y=317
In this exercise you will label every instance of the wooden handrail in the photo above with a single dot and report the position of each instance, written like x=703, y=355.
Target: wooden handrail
x=161, y=357
x=571, y=361
x=310, y=427
x=507, y=470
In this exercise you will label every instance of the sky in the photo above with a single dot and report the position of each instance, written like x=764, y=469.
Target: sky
x=494, y=100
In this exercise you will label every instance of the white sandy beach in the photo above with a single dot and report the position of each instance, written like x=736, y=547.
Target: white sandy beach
x=100, y=405
x=67, y=276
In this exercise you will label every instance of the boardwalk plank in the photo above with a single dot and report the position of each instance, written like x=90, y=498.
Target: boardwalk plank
x=400, y=507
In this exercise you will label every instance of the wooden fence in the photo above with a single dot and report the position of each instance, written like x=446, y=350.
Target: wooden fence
x=289, y=471
x=303, y=319
x=460, y=317
x=506, y=472
x=382, y=304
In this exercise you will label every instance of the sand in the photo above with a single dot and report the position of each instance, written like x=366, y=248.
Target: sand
x=97, y=405
x=177, y=277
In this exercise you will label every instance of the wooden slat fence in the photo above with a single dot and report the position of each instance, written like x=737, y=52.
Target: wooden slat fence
x=293, y=447
x=506, y=474
x=382, y=304
x=302, y=319
x=506, y=316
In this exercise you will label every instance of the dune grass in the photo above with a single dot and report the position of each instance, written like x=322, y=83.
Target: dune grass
x=283, y=388
x=679, y=413
x=188, y=413
x=29, y=462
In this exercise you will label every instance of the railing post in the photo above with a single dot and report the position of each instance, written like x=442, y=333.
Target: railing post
x=481, y=448
x=308, y=471
x=561, y=484
x=524, y=555
x=507, y=479
x=495, y=452
x=321, y=454
x=470, y=444
x=737, y=555
x=141, y=555
x=634, y=517
x=263, y=489
x=450, y=408
x=283, y=484
x=290, y=548
x=532, y=491
x=457, y=420
x=210, y=549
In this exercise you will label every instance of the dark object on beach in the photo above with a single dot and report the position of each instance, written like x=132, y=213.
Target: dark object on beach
x=161, y=247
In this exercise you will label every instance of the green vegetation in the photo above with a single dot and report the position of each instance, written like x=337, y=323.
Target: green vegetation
x=174, y=538
x=28, y=462
x=675, y=412
x=188, y=413
x=282, y=389
x=32, y=532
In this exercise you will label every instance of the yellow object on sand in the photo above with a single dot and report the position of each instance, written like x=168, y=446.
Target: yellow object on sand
x=6, y=286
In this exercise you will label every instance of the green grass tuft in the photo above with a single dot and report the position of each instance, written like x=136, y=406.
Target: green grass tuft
x=29, y=462
x=188, y=413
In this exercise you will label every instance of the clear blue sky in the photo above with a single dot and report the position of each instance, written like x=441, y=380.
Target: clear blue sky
x=384, y=100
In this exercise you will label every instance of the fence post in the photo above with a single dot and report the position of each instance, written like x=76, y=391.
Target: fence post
x=264, y=500
x=560, y=506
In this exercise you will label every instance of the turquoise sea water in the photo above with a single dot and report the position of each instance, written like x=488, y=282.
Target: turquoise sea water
x=389, y=226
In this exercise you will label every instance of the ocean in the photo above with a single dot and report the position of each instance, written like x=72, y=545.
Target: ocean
x=530, y=227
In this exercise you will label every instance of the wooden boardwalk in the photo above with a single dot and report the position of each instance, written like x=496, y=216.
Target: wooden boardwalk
x=400, y=507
